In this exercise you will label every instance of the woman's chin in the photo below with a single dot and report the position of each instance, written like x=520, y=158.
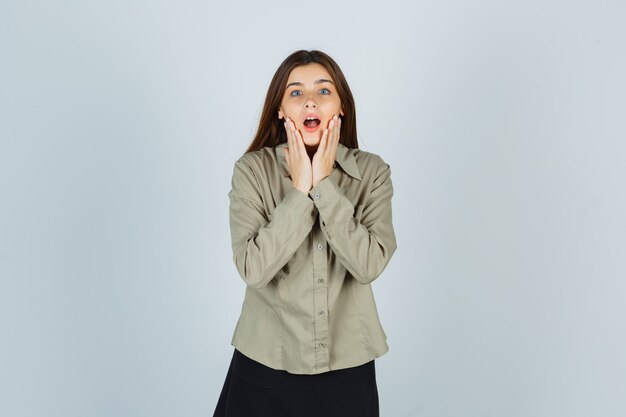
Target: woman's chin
x=312, y=141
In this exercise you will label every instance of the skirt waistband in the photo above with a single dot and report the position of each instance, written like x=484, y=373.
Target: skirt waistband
x=348, y=381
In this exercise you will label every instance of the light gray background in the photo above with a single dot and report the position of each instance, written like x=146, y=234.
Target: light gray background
x=503, y=122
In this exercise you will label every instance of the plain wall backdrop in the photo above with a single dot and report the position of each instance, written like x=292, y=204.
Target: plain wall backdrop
x=503, y=122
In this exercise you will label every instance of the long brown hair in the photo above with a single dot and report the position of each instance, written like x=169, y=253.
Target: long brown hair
x=271, y=131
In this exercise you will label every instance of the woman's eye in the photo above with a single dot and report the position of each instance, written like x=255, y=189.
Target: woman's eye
x=324, y=91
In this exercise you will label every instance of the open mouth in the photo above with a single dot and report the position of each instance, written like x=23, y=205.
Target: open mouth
x=312, y=123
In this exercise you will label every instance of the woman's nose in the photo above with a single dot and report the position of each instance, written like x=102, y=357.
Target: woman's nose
x=310, y=103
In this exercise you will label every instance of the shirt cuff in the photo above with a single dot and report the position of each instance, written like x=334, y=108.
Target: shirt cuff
x=326, y=193
x=300, y=203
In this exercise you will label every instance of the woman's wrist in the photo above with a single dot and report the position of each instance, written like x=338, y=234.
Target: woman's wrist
x=301, y=188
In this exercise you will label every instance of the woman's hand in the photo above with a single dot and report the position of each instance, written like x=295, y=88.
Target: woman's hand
x=324, y=157
x=298, y=159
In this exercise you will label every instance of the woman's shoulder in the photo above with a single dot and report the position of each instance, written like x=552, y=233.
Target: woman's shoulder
x=368, y=163
x=260, y=160
x=366, y=156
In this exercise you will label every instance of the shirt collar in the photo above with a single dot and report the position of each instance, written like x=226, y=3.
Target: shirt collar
x=344, y=157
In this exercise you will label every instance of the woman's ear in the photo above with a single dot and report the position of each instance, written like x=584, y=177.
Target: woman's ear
x=280, y=114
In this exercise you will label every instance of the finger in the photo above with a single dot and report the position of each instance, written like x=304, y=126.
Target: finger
x=286, y=125
x=333, y=141
x=290, y=140
x=336, y=132
x=330, y=122
x=330, y=137
x=299, y=141
x=294, y=133
x=322, y=146
x=287, y=156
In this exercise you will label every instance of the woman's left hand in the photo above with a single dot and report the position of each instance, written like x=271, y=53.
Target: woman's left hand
x=324, y=158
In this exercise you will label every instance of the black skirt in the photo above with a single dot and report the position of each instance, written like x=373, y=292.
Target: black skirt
x=252, y=389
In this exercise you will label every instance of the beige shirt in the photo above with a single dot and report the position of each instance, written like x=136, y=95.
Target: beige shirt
x=308, y=260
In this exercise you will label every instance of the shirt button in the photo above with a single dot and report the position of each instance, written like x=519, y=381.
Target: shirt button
x=320, y=246
x=317, y=195
x=321, y=344
x=321, y=280
x=321, y=313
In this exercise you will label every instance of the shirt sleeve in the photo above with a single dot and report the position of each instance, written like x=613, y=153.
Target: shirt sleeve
x=262, y=245
x=363, y=239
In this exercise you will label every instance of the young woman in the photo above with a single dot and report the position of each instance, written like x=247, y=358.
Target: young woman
x=311, y=228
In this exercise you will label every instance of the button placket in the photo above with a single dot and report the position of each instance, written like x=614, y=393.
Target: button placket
x=320, y=300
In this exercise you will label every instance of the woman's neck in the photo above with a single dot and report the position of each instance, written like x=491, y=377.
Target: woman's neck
x=310, y=150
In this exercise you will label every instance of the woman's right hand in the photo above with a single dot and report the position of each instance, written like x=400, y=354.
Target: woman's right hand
x=298, y=159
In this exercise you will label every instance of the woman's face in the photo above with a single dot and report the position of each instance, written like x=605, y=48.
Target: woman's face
x=310, y=93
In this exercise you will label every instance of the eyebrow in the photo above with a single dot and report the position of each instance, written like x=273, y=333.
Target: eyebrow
x=316, y=82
